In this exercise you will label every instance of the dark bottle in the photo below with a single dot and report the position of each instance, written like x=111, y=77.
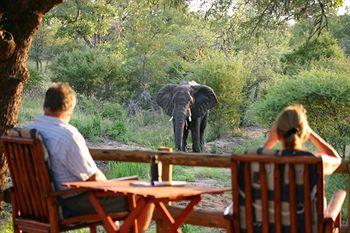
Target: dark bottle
x=154, y=170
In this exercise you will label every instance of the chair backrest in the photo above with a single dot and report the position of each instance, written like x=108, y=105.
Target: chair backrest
x=277, y=192
x=27, y=159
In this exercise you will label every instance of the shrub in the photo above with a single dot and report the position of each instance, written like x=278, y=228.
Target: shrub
x=95, y=118
x=90, y=72
x=323, y=47
x=325, y=95
x=37, y=82
x=88, y=125
x=31, y=107
x=151, y=129
x=226, y=78
x=119, y=131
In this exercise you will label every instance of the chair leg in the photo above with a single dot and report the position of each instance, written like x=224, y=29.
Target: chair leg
x=92, y=228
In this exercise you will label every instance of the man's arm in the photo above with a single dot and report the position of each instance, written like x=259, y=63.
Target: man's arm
x=98, y=176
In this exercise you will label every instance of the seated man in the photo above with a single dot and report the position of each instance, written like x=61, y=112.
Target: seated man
x=69, y=155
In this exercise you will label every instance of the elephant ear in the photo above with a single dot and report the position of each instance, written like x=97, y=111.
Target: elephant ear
x=204, y=99
x=165, y=97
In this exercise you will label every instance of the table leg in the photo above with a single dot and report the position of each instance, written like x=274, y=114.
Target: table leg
x=130, y=220
x=107, y=220
x=176, y=223
x=132, y=205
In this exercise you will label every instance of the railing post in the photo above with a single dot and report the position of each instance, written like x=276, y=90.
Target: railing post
x=166, y=170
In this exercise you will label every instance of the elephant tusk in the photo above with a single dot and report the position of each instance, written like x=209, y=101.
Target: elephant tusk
x=189, y=119
x=171, y=118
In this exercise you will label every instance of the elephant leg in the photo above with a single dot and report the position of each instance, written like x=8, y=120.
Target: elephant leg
x=195, y=130
x=184, y=139
x=203, y=125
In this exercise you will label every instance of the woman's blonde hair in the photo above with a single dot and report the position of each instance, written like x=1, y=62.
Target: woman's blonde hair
x=292, y=126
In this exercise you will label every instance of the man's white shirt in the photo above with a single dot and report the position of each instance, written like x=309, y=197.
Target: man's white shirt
x=69, y=155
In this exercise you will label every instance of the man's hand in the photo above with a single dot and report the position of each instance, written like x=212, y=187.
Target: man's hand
x=98, y=176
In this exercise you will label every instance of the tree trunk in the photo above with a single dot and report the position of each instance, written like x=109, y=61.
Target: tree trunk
x=19, y=21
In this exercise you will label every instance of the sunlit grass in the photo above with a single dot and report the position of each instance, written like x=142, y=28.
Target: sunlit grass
x=5, y=222
x=121, y=169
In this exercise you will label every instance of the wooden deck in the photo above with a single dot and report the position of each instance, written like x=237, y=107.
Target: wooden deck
x=167, y=159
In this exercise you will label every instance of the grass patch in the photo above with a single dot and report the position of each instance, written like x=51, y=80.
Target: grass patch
x=5, y=222
x=120, y=169
x=197, y=229
x=222, y=177
x=253, y=143
x=31, y=108
x=151, y=129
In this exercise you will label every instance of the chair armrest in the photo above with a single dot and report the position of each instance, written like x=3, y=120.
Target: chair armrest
x=126, y=178
x=334, y=206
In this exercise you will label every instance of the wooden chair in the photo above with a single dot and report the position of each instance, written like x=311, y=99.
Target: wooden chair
x=34, y=201
x=286, y=193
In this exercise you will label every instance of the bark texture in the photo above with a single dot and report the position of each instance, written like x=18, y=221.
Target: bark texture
x=19, y=21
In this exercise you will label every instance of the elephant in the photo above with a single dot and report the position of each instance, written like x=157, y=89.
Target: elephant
x=188, y=105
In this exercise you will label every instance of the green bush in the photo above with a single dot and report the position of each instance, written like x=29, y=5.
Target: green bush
x=90, y=72
x=323, y=47
x=37, y=83
x=95, y=118
x=119, y=131
x=88, y=125
x=227, y=79
x=324, y=93
x=113, y=111
x=151, y=129
x=32, y=106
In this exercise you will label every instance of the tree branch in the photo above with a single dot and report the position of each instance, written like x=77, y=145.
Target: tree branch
x=77, y=15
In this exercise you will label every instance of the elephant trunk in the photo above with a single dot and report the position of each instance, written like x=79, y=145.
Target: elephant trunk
x=179, y=133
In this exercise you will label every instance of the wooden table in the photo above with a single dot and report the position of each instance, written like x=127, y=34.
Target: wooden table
x=141, y=198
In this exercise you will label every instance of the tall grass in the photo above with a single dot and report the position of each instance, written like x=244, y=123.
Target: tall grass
x=31, y=107
x=120, y=169
x=151, y=129
x=5, y=222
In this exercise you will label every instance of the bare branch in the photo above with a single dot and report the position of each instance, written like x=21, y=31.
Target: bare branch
x=78, y=13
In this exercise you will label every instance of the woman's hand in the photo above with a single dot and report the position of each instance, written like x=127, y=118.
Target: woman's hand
x=272, y=139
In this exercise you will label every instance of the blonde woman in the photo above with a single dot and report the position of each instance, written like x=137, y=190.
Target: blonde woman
x=292, y=130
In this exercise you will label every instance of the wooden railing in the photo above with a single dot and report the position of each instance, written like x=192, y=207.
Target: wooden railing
x=167, y=159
